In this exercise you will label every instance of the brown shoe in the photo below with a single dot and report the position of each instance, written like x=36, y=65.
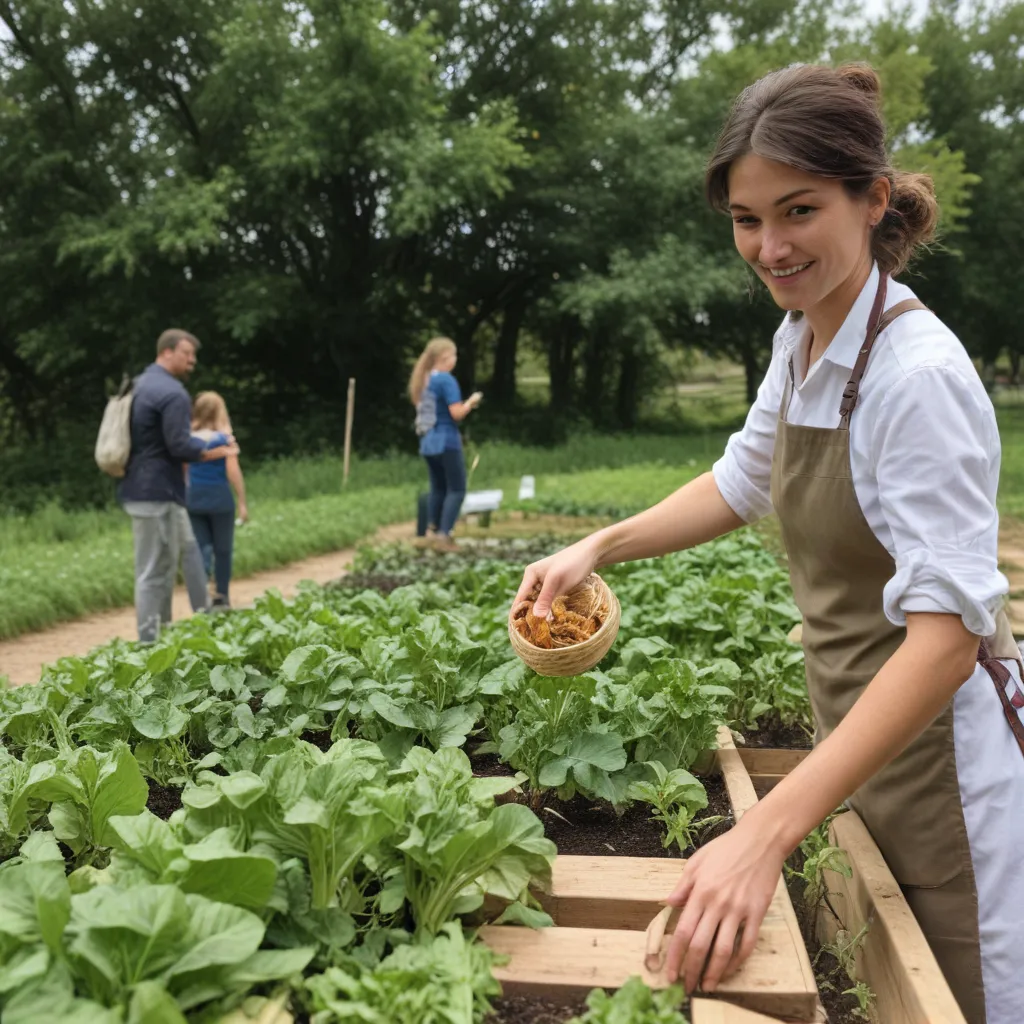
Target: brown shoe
x=442, y=543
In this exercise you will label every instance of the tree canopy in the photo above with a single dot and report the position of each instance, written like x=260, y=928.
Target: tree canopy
x=314, y=187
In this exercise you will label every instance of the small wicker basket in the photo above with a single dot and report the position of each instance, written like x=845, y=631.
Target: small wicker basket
x=577, y=658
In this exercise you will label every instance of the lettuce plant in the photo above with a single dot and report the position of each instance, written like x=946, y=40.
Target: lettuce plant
x=634, y=1003
x=456, y=845
x=446, y=979
x=329, y=809
x=149, y=952
x=86, y=790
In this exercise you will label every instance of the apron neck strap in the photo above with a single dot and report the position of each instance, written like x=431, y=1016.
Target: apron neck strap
x=852, y=389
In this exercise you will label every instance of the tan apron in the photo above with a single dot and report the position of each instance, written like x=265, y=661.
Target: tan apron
x=838, y=570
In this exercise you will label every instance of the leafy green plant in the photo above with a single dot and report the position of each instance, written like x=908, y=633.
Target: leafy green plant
x=865, y=997
x=446, y=979
x=634, y=1003
x=668, y=708
x=456, y=846
x=844, y=948
x=555, y=738
x=214, y=867
x=20, y=806
x=149, y=951
x=818, y=855
x=675, y=798
x=432, y=673
x=87, y=790
x=331, y=809
x=313, y=690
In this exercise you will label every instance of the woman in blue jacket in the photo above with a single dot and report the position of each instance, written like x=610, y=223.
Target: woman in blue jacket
x=211, y=505
x=439, y=408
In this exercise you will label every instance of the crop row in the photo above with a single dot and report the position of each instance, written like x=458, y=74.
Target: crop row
x=318, y=828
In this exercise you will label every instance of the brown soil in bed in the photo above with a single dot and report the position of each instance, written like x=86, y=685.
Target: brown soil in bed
x=774, y=734
x=534, y=1010
x=828, y=975
x=583, y=826
x=589, y=827
x=163, y=801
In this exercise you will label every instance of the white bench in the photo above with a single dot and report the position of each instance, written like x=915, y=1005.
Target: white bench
x=482, y=504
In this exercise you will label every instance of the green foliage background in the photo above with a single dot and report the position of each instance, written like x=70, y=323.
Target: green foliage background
x=314, y=188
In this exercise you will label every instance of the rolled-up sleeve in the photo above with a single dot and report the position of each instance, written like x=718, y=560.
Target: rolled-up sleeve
x=936, y=453
x=743, y=473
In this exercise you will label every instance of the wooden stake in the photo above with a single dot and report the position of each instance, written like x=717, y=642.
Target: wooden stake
x=349, y=410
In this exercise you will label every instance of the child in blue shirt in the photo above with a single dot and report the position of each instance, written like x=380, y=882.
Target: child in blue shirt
x=211, y=504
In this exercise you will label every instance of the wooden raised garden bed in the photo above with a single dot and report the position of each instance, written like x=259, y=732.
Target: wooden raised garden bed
x=715, y=1011
x=601, y=907
x=894, y=958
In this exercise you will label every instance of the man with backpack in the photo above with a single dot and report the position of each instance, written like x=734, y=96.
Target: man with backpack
x=153, y=489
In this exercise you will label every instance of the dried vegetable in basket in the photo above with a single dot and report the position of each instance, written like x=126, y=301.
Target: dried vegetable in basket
x=575, y=617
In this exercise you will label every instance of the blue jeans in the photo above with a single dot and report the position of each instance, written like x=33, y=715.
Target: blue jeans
x=447, y=488
x=215, y=532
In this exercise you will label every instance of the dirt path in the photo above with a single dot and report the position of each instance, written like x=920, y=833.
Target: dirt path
x=22, y=658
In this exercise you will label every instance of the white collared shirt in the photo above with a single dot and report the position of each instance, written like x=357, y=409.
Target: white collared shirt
x=924, y=451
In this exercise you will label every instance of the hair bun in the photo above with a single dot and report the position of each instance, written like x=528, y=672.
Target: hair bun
x=862, y=77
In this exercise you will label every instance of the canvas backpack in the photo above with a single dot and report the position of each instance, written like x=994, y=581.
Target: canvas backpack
x=426, y=412
x=114, y=441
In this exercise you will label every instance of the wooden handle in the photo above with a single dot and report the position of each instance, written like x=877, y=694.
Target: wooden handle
x=654, y=958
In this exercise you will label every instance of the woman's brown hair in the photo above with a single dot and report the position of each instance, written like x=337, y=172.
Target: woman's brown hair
x=827, y=121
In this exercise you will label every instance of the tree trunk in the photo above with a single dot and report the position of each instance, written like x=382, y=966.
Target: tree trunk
x=503, y=383
x=465, y=339
x=561, y=362
x=626, y=397
x=1014, y=355
x=595, y=375
x=752, y=371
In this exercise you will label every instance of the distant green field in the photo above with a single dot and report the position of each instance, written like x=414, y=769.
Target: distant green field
x=57, y=565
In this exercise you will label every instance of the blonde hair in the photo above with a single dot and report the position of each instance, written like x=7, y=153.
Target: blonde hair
x=209, y=412
x=437, y=349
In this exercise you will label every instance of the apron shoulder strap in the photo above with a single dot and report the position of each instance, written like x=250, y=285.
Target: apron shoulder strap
x=898, y=310
x=877, y=323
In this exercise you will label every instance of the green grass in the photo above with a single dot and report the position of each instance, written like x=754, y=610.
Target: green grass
x=44, y=583
x=1011, y=475
x=500, y=465
x=57, y=565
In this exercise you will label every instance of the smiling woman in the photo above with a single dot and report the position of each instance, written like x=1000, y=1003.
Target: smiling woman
x=800, y=168
x=875, y=443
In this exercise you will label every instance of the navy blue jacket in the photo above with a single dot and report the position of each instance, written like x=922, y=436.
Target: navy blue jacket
x=162, y=440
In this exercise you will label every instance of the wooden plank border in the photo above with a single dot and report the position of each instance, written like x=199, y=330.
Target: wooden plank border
x=768, y=766
x=714, y=1011
x=602, y=905
x=894, y=959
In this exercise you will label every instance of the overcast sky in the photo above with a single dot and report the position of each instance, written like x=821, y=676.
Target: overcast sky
x=874, y=8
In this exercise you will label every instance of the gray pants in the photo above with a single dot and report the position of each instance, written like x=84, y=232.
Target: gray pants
x=162, y=532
